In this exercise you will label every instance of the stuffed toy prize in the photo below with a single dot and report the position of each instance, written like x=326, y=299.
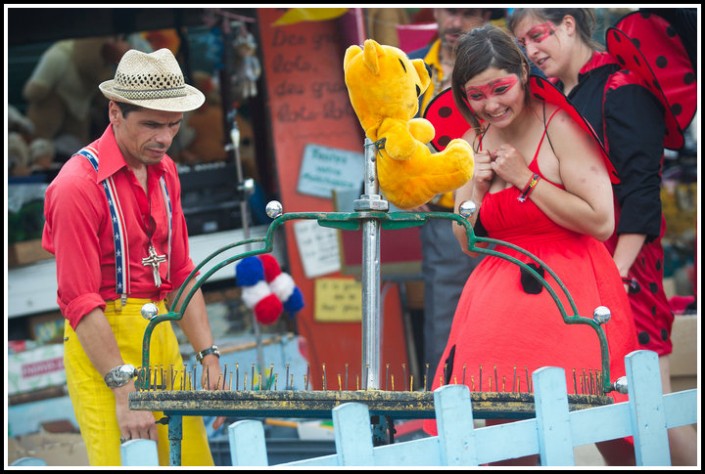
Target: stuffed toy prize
x=384, y=86
x=282, y=285
x=266, y=289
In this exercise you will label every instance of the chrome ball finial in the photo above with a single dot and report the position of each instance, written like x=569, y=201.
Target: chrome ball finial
x=620, y=385
x=467, y=209
x=601, y=315
x=274, y=209
x=149, y=311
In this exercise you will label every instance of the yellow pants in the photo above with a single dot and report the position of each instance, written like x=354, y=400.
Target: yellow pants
x=94, y=403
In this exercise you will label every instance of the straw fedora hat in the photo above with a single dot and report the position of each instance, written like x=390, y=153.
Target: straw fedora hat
x=153, y=81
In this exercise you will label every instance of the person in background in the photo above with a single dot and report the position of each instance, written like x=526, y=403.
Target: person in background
x=630, y=119
x=116, y=227
x=540, y=183
x=445, y=267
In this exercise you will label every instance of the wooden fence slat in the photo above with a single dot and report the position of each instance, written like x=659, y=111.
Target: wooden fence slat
x=553, y=418
x=353, y=434
x=646, y=407
x=247, y=444
x=139, y=452
x=455, y=425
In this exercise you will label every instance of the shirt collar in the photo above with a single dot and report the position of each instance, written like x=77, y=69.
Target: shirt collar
x=433, y=58
x=111, y=159
x=598, y=59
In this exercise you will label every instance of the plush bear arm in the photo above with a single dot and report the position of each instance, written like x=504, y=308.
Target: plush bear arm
x=399, y=143
x=422, y=129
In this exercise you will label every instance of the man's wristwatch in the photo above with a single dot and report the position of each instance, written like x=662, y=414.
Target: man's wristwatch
x=211, y=350
x=120, y=375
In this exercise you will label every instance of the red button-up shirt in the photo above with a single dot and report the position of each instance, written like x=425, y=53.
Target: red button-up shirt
x=79, y=232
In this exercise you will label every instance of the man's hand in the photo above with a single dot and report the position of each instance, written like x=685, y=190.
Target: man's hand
x=134, y=424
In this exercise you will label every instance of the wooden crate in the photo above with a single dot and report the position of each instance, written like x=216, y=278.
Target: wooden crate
x=25, y=253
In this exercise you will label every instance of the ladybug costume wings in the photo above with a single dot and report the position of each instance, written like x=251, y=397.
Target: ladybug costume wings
x=646, y=44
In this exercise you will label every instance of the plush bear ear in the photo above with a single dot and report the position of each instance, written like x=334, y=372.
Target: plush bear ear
x=351, y=53
x=372, y=51
x=422, y=71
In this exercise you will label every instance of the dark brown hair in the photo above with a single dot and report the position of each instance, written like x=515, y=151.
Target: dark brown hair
x=478, y=50
x=585, y=20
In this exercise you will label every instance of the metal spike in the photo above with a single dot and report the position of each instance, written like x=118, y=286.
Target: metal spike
x=480, y=386
x=237, y=376
x=325, y=382
x=425, y=378
x=386, y=377
x=225, y=375
x=411, y=382
x=346, y=376
x=403, y=371
x=340, y=383
x=230, y=385
x=392, y=382
x=504, y=382
x=465, y=367
x=252, y=379
x=496, y=380
x=514, y=380
x=287, y=376
x=575, y=383
x=472, y=383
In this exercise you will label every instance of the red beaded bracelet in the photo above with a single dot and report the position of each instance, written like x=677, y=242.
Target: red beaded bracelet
x=529, y=187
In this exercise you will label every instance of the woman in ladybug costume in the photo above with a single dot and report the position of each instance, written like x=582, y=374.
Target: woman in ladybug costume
x=541, y=183
x=639, y=96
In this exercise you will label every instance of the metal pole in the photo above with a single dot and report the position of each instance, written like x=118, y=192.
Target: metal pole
x=245, y=188
x=371, y=321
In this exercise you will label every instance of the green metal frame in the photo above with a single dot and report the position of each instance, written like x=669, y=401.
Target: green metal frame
x=390, y=221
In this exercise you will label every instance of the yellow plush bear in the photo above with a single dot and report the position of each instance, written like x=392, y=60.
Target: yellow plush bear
x=384, y=87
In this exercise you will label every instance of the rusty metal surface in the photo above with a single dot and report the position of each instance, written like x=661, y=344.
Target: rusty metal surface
x=319, y=403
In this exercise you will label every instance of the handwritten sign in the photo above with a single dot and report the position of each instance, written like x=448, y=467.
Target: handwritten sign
x=307, y=96
x=318, y=248
x=325, y=169
x=338, y=300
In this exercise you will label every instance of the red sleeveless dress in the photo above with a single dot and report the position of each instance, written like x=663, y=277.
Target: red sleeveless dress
x=506, y=326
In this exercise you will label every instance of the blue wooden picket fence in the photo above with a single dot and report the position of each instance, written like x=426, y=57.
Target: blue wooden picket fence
x=552, y=434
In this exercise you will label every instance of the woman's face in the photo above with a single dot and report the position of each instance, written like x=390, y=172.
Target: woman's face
x=496, y=96
x=544, y=44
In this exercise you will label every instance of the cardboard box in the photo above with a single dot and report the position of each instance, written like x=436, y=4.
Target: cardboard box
x=47, y=328
x=36, y=369
x=684, y=358
x=56, y=449
x=25, y=253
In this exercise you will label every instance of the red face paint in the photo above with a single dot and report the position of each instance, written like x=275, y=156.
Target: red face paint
x=537, y=34
x=494, y=87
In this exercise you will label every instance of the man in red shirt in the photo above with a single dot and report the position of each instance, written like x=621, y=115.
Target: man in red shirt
x=115, y=224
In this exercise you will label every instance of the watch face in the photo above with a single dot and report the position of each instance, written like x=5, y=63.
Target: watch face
x=119, y=376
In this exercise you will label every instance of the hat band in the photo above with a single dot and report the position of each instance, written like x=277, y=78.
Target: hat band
x=152, y=94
